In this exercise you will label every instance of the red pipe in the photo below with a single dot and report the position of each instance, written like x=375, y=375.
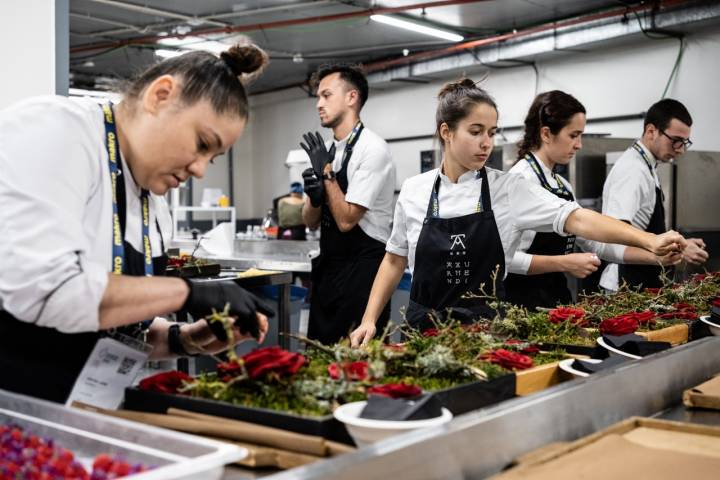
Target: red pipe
x=382, y=65
x=278, y=24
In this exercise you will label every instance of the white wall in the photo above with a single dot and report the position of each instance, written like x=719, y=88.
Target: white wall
x=33, y=42
x=621, y=80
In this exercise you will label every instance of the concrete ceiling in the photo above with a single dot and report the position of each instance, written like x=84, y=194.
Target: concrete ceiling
x=112, y=40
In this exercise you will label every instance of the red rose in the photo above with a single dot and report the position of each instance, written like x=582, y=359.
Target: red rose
x=508, y=359
x=165, y=382
x=573, y=315
x=352, y=371
x=654, y=291
x=699, y=277
x=395, y=390
x=683, y=311
x=275, y=360
x=715, y=302
x=431, y=332
x=229, y=370
x=645, y=317
x=619, y=325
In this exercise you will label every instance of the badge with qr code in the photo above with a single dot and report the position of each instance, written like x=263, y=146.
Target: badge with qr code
x=112, y=366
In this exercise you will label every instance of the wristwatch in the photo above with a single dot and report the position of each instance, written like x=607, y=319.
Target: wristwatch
x=330, y=175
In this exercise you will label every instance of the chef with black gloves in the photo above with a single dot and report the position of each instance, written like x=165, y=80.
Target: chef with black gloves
x=83, y=220
x=350, y=190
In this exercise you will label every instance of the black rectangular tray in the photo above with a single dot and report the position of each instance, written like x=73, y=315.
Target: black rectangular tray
x=209, y=270
x=459, y=399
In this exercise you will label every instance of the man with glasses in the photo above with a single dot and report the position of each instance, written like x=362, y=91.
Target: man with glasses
x=632, y=191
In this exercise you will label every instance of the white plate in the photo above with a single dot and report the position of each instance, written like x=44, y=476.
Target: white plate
x=714, y=327
x=366, y=430
x=615, y=351
x=566, y=365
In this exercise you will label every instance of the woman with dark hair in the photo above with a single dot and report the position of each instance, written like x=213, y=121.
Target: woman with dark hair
x=83, y=217
x=458, y=226
x=536, y=276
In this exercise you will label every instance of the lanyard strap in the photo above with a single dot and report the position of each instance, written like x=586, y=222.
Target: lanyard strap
x=645, y=157
x=118, y=250
x=434, y=205
x=561, y=189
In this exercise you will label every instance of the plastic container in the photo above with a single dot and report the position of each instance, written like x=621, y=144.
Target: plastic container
x=366, y=431
x=173, y=455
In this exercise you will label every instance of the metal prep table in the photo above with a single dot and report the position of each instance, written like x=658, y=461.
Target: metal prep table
x=482, y=443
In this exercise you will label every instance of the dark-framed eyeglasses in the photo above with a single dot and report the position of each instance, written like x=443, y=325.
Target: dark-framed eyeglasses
x=678, y=142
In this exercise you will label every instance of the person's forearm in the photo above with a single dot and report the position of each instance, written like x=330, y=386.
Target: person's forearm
x=129, y=300
x=546, y=264
x=640, y=256
x=341, y=210
x=588, y=224
x=386, y=281
x=311, y=215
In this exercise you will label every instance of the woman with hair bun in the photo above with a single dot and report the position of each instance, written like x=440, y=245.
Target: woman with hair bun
x=553, y=134
x=458, y=226
x=83, y=221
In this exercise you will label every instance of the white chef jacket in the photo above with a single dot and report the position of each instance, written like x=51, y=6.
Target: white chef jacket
x=516, y=203
x=371, y=181
x=56, y=213
x=521, y=261
x=629, y=195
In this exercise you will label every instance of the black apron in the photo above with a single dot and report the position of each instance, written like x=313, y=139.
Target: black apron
x=547, y=289
x=43, y=362
x=343, y=274
x=646, y=276
x=454, y=256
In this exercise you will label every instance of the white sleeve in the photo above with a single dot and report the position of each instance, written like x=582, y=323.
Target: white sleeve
x=610, y=252
x=534, y=208
x=520, y=263
x=622, y=195
x=374, y=169
x=47, y=178
x=398, y=242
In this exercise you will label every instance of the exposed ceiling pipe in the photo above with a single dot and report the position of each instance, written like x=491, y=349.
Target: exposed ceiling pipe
x=277, y=24
x=382, y=65
x=153, y=11
x=217, y=16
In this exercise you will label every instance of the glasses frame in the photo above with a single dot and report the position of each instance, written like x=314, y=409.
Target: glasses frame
x=677, y=142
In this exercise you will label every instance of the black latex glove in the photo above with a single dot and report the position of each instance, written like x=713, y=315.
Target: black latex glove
x=313, y=187
x=314, y=146
x=204, y=296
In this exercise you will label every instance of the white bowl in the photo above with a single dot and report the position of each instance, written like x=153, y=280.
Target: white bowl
x=614, y=351
x=714, y=327
x=566, y=365
x=366, y=431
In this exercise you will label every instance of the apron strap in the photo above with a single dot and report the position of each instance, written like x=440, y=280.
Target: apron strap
x=638, y=148
x=433, y=209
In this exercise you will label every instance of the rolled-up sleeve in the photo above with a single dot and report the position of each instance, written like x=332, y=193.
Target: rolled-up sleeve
x=610, y=252
x=47, y=178
x=534, y=208
x=370, y=177
x=398, y=242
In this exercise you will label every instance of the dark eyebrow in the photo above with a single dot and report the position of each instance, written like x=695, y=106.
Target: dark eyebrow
x=216, y=137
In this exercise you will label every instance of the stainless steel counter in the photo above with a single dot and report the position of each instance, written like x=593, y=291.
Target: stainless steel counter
x=283, y=255
x=481, y=443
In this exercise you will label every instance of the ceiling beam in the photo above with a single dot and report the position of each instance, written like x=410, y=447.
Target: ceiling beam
x=153, y=11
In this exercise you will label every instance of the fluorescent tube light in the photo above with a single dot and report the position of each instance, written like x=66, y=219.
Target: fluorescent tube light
x=161, y=52
x=194, y=43
x=414, y=27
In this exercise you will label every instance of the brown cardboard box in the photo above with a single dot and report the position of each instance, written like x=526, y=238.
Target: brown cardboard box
x=705, y=395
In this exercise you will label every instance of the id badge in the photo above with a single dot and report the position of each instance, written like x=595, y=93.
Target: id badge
x=112, y=366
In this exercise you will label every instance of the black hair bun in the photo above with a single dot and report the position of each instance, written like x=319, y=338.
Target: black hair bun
x=459, y=86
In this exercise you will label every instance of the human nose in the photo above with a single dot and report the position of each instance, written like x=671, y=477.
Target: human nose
x=197, y=168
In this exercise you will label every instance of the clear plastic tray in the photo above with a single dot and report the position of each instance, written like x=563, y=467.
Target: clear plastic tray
x=173, y=455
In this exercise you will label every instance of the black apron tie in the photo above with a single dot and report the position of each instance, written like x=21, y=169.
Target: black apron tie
x=453, y=257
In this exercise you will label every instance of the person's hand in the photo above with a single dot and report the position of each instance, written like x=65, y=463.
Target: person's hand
x=669, y=259
x=362, y=334
x=580, y=265
x=199, y=338
x=205, y=297
x=670, y=241
x=314, y=146
x=695, y=252
x=313, y=187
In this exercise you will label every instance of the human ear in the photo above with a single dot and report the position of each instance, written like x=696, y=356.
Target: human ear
x=160, y=93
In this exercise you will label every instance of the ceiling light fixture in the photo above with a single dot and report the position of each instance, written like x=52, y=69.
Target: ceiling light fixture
x=161, y=52
x=194, y=43
x=415, y=27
